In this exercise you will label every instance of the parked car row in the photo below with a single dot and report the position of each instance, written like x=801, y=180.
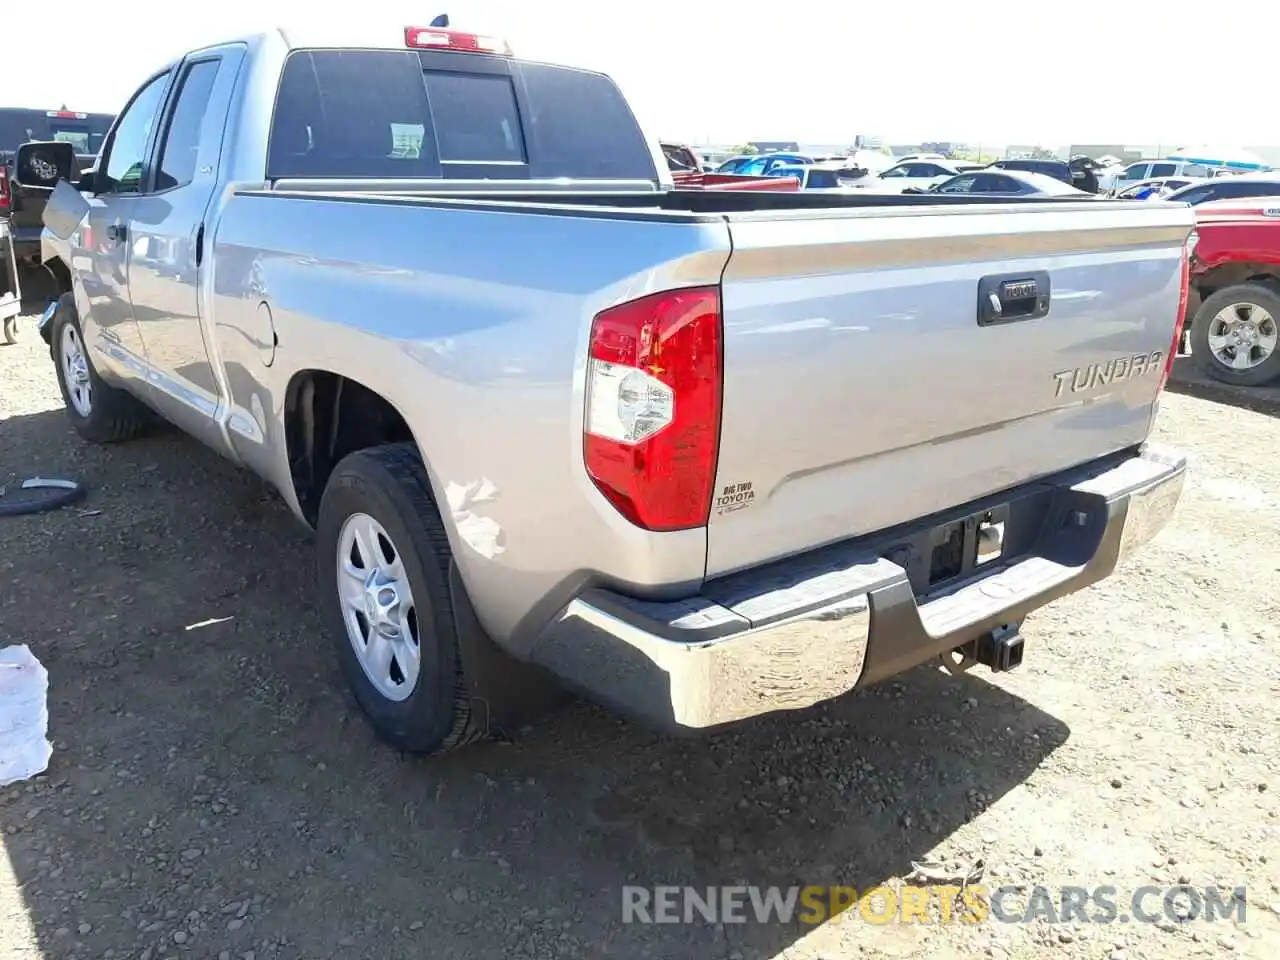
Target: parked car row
x=1233, y=309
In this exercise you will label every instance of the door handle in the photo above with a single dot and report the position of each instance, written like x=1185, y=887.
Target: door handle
x=117, y=232
x=1013, y=297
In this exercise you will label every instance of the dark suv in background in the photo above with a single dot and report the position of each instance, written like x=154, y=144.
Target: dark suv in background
x=85, y=131
x=1080, y=172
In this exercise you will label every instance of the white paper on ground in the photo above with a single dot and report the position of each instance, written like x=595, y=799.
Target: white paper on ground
x=24, y=715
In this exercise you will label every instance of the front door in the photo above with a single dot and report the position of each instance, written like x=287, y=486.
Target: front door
x=103, y=247
x=169, y=242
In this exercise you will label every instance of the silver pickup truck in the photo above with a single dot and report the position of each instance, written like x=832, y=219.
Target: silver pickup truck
x=700, y=455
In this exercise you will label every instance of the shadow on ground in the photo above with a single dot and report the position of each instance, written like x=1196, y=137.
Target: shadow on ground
x=1187, y=378
x=214, y=788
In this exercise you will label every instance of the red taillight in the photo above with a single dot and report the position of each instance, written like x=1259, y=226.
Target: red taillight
x=437, y=38
x=651, y=435
x=4, y=190
x=1184, y=295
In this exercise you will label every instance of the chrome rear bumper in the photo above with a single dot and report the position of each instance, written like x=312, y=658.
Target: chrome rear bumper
x=813, y=627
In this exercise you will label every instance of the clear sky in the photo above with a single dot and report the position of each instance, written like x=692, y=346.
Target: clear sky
x=991, y=71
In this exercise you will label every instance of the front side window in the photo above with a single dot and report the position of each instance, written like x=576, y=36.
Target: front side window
x=1136, y=172
x=894, y=172
x=958, y=185
x=127, y=154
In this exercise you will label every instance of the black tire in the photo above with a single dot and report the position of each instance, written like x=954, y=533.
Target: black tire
x=16, y=504
x=1251, y=293
x=390, y=484
x=114, y=415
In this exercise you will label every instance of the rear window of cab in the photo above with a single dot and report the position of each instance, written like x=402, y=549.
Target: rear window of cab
x=386, y=114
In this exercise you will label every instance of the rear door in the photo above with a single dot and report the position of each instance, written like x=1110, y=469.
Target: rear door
x=167, y=238
x=866, y=386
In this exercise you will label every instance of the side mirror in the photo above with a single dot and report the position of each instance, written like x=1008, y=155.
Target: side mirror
x=42, y=163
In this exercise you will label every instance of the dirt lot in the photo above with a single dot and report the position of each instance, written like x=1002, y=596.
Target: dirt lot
x=214, y=793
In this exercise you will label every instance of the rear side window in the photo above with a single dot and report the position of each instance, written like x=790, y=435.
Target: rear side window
x=182, y=140
x=391, y=114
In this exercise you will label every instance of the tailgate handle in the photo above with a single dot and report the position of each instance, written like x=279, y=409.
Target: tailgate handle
x=1013, y=297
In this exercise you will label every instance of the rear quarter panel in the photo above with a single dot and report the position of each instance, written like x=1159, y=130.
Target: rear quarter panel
x=474, y=325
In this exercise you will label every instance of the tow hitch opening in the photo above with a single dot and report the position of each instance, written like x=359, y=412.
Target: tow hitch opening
x=1000, y=650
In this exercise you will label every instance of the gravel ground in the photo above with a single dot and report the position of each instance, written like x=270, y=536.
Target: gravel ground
x=215, y=794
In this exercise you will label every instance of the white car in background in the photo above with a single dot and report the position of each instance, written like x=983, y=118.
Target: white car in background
x=914, y=173
x=1110, y=183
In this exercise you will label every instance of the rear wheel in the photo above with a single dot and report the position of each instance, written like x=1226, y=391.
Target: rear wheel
x=1235, y=336
x=99, y=412
x=383, y=565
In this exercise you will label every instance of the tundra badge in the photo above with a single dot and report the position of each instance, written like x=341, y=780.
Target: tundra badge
x=1101, y=374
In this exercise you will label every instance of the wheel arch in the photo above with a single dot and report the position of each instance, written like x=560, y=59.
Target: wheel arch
x=1231, y=274
x=328, y=415
x=63, y=283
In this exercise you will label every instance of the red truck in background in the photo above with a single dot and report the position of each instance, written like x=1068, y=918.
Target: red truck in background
x=687, y=172
x=1232, y=321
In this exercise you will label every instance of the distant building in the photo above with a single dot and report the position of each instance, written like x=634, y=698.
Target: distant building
x=946, y=148
x=775, y=146
x=1126, y=152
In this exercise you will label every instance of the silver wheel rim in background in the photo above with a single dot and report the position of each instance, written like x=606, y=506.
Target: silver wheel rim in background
x=377, y=607
x=75, y=371
x=1242, y=336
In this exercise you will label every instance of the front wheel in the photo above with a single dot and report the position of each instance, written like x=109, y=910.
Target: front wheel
x=100, y=412
x=1235, y=335
x=383, y=566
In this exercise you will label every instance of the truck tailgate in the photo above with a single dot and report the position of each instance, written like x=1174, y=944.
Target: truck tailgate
x=866, y=385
